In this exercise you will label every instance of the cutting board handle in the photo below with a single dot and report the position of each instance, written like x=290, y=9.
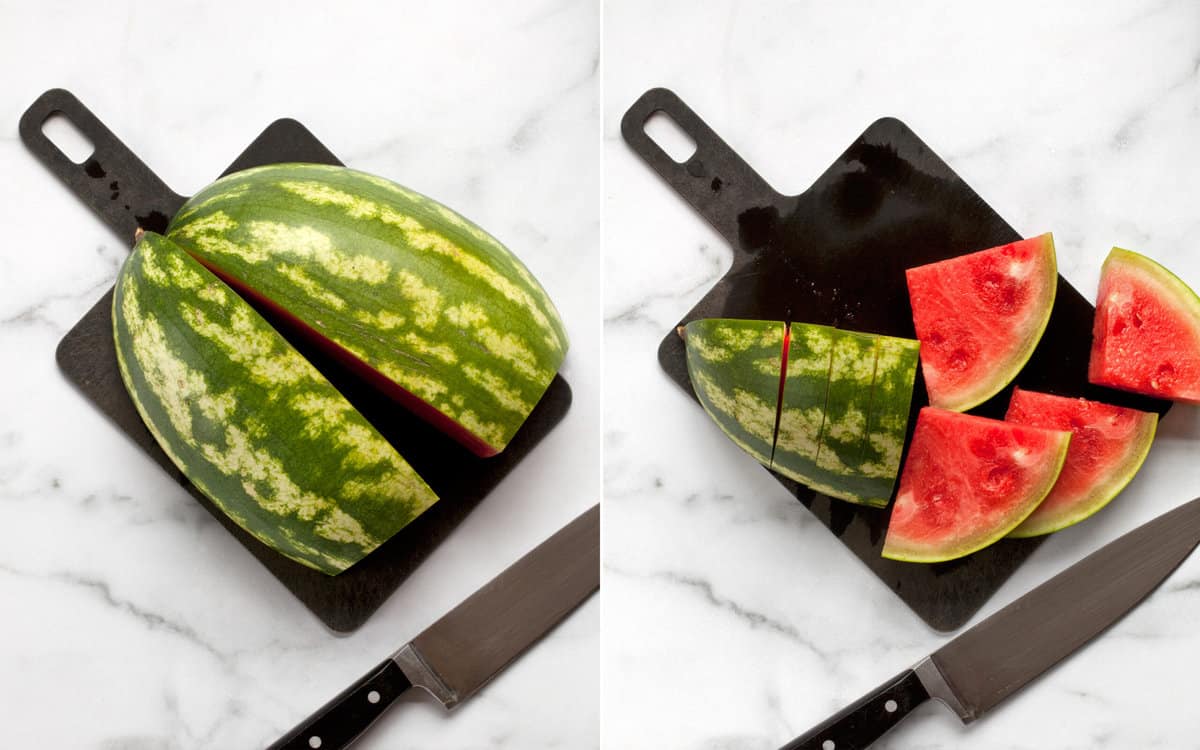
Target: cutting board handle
x=115, y=183
x=717, y=182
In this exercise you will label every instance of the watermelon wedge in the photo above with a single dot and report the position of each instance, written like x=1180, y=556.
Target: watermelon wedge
x=825, y=407
x=735, y=367
x=980, y=316
x=967, y=482
x=1108, y=446
x=1146, y=335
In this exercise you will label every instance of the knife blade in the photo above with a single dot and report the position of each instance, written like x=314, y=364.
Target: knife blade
x=455, y=656
x=990, y=661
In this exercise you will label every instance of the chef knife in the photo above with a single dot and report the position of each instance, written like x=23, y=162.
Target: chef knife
x=470, y=644
x=997, y=657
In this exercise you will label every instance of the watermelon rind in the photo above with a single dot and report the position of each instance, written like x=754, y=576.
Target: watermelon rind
x=1102, y=493
x=1001, y=373
x=734, y=366
x=250, y=422
x=863, y=422
x=846, y=461
x=805, y=394
x=891, y=402
x=899, y=550
x=1179, y=290
x=814, y=426
x=419, y=300
x=1174, y=293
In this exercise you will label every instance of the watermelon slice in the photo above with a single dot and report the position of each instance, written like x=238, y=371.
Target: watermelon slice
x=735, y=367
x=1108, y=445
x=803, y=398
x=1146, y=337
x=967, y=482
x=980, y=316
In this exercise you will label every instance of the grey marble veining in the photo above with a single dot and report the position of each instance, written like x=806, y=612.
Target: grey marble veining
x=735, y=621
x=132, y=620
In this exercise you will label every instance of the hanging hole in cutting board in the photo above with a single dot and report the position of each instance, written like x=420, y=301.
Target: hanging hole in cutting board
x=670, y=137
x=76, y=146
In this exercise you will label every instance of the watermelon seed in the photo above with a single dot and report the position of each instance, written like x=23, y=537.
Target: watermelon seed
x=1163, y=376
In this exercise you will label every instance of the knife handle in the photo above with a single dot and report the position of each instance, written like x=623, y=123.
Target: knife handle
x=339, y=722
x=861, y=723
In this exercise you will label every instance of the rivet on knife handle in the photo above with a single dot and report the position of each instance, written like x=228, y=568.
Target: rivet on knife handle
x=340, y=721
x=866, y=720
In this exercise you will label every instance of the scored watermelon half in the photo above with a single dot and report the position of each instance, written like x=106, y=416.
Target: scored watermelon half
x=967, y=482
x=1108, y=445
x=980, y=316
x=1146, y=335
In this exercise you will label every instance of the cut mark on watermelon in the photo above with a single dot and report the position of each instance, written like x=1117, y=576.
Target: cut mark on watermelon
x=866, y=436
x=824, y=409
x=278, y=317
x=787, y=341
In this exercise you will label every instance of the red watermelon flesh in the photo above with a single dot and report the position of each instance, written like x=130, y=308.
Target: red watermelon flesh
x=1108, y=446
x=980, y=316
x=967, y=482
x=1146, y=335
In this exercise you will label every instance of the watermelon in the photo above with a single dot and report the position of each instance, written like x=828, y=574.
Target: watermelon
x=891, y=402
x=419, y=301
x=825, y=407
x=1108, y=446
x=967, y=482
x=1146, y=335
x=250, y=422
x=845, y=412
x=803, y=399
x=980, y=316
x=735, y=366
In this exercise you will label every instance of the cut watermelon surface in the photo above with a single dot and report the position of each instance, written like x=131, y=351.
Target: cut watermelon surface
x=980, y=316
x=967, y=482
x=1146, y=335
x=1108, y=446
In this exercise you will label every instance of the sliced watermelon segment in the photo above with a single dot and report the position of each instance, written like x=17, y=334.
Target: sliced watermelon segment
x=825, y=407
x=1146, y=335
x=735, y=368
x=1108, y=446
x=980, y=316
x=803, y=394
x=967, y=482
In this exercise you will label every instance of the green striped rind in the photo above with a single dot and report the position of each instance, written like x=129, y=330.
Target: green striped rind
x=845, y=454
x=411, y=288
x=249, y=421
x=837, y=429
x=734, y=366
x=891, y=402
x=846, y=398
x=805, y=390
x=845, y=424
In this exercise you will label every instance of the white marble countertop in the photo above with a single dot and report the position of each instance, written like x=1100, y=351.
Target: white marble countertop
x=131, y=619
x=734, y=620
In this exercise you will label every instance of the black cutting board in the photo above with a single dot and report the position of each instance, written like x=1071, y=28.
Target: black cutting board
x=836, y=254
x=126, y=194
